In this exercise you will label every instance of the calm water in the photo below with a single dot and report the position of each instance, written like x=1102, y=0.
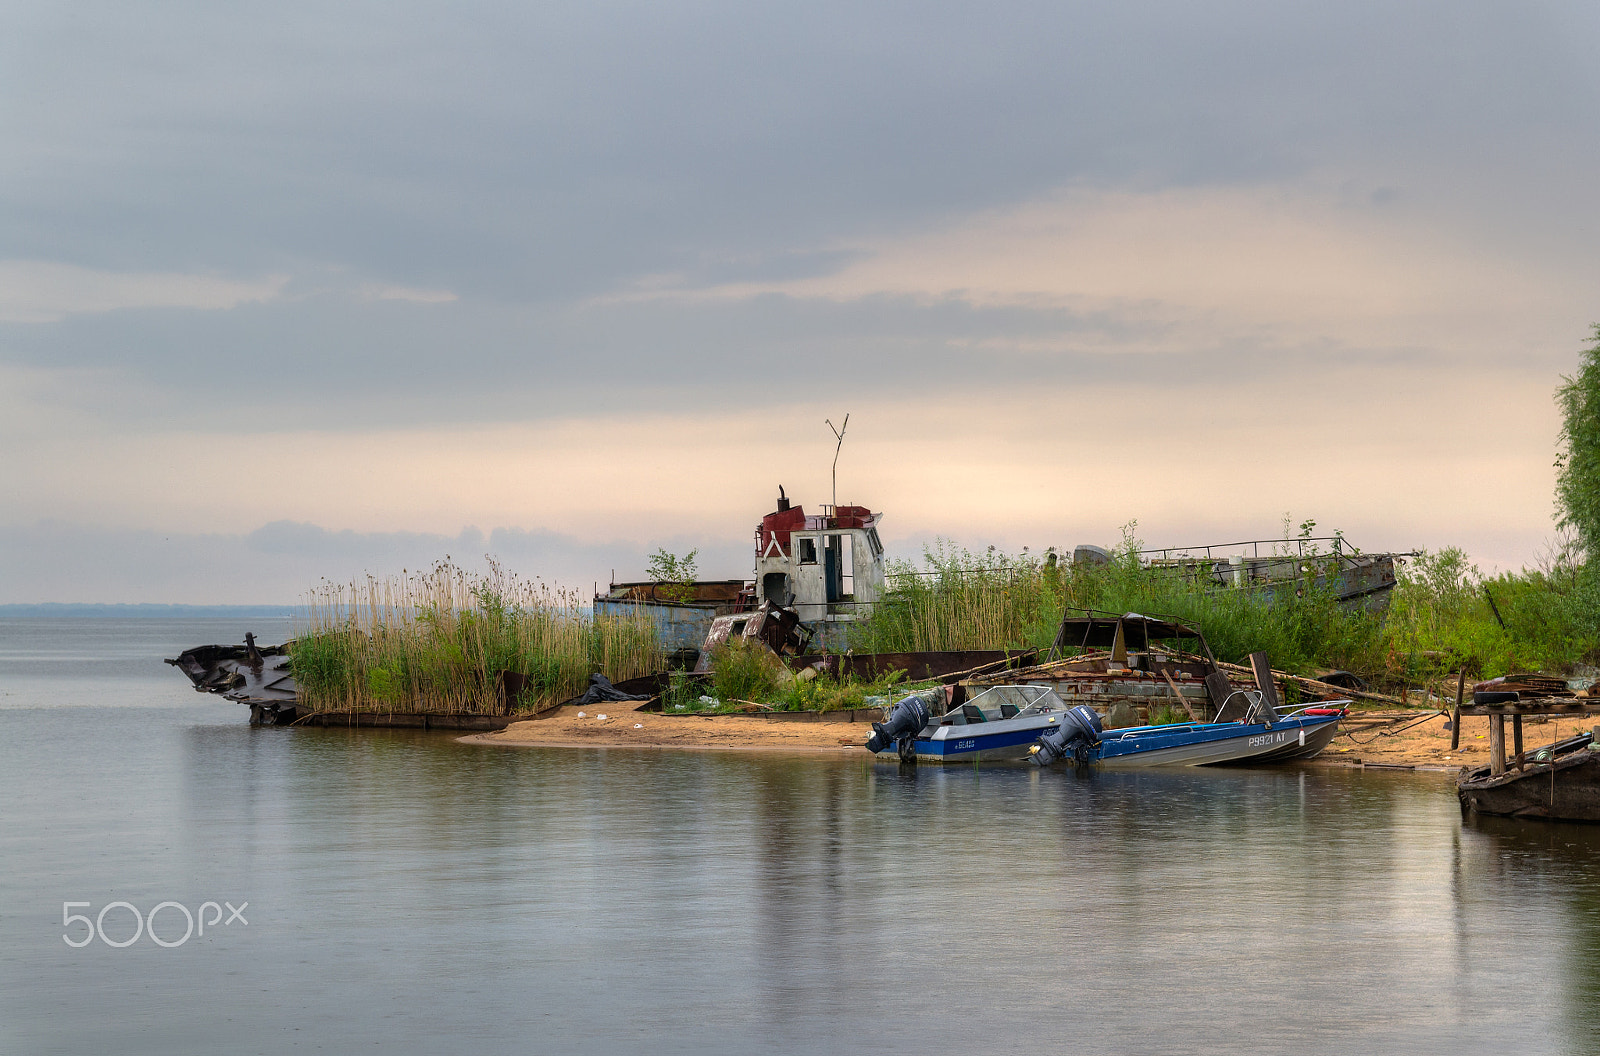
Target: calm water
x=411, y=894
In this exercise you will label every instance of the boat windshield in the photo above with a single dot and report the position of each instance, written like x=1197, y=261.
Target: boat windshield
x=998, y=703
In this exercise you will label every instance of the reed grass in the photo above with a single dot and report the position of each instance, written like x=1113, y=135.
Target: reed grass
x=961, y=599
x=1439, y=619
x=437, y=641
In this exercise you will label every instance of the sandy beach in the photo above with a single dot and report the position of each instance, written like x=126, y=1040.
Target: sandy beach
x=1412, y=741
x=575, y=727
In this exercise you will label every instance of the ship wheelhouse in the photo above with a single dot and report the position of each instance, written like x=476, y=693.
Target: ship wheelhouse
x=827, y=567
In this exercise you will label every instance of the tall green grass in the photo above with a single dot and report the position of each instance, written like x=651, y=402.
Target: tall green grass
x=742, y=673
x=1302, y=627
x=960, y=599
x=438, y=641
x=1439, y=618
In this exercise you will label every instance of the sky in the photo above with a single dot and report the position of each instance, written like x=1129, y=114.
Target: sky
x=296, y=292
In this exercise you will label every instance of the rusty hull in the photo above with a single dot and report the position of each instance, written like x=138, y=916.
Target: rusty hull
x=727, y=593
x=248, y=674
x=919, y=667
x=772, y=626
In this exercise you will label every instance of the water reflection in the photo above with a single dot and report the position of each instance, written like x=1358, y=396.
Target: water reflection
x=772, y=889
x=421, y=894
x=1551, y=865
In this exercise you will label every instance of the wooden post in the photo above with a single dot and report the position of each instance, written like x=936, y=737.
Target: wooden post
x=1455, y=717
x=1218, y=689
x=1516, y=737
x=1497, y=744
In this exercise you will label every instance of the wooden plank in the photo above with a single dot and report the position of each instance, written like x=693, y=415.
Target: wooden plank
x=1178, y=693
x=1531, y=708
x=1261, y=667
x=1497, y=745
x=1516, y=738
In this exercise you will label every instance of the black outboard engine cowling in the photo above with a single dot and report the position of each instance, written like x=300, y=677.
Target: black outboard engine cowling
x=901, y=725
x=1078, y=732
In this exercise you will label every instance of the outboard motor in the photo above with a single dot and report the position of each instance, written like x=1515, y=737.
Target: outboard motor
x=1078, y=732
x=902, y=724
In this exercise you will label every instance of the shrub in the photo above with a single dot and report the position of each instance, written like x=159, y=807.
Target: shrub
x=742, y=670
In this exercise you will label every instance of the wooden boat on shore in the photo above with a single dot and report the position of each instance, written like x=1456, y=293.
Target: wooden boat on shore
x=1562, y=782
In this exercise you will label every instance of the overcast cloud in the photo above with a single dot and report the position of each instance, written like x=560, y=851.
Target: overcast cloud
x=597, y=272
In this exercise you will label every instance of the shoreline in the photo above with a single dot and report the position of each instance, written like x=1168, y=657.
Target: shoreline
x=1423, y=745
x=836, y=750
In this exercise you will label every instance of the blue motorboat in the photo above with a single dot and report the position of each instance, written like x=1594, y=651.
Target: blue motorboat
x=1258, y=738
x=1001, y=724
x=1027, y=722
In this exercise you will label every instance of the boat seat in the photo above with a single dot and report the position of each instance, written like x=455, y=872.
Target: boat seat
x=972, y=713
x=1008, y=711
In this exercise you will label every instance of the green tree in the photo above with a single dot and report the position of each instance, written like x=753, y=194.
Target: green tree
x=675, y=574
x=1578, y=460
x=1578, y=483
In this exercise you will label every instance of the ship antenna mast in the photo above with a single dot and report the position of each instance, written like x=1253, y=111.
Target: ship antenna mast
x=838, y=432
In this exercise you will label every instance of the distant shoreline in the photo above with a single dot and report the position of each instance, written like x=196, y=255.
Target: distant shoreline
x=146, y=611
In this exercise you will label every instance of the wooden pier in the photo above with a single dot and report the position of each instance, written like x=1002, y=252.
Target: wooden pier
x=1499, y=760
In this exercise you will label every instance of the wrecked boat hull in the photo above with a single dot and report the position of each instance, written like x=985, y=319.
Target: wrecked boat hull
x=1358, y=580
x=1567, y=788
x=919, y=666
x=246, y=674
